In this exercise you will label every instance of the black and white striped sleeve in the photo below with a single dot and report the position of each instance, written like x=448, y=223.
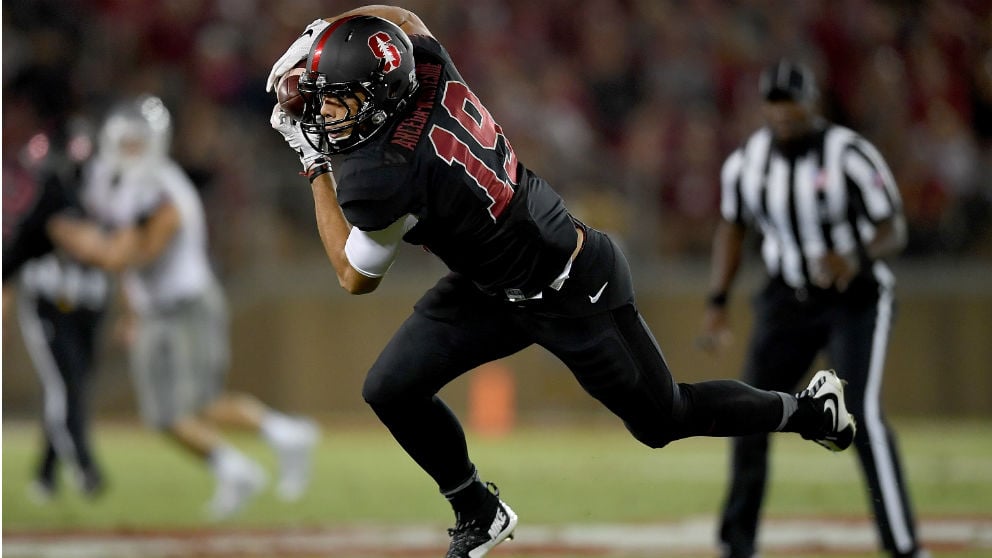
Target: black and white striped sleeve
x=731, y=198
x=871, y=180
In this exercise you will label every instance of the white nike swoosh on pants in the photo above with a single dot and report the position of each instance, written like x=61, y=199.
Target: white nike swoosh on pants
x=593, y=299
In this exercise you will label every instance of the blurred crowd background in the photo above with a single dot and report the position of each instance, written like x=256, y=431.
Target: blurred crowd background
x=628, y=106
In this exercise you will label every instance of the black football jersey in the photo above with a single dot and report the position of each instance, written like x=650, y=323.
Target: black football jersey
x=447, y=162
x=29, y=200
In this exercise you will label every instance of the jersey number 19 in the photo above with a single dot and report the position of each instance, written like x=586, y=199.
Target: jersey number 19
x=484, y=136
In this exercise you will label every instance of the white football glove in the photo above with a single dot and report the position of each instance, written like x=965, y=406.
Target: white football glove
x=291, y=132
x=296, y=52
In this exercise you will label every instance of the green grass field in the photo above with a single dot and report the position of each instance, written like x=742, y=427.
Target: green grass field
x=551, y=476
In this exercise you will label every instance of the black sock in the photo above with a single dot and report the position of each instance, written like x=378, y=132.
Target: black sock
x=806, y=421
x=468, y=499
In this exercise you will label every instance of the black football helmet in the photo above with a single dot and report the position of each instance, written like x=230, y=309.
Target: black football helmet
x=365, y=58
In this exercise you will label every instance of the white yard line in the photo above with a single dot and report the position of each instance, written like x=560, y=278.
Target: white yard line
x=694, y=536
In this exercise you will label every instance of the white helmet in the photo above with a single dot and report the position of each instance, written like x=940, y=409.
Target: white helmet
x=135, y=133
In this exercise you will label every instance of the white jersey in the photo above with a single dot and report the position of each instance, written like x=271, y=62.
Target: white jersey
x=124, y=199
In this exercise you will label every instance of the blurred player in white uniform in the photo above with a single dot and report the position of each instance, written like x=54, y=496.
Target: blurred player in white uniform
x=150, y=227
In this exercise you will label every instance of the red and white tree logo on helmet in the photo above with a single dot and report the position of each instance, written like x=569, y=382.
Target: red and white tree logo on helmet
x=385, y=50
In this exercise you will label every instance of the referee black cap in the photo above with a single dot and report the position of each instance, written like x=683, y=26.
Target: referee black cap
x=788, y=81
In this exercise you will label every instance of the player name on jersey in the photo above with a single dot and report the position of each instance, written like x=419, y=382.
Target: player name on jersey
x=411, y=128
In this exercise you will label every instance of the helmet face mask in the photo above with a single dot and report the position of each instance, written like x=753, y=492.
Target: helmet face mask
x=362, y=63
x=360, y=120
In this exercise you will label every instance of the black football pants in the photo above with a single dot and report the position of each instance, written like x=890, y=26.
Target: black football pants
x=611, y=353
x=790, y=329
x=61, y=345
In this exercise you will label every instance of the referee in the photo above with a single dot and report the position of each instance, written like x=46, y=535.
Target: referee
x=60, y=302
x=60, y=308
x=829, y=212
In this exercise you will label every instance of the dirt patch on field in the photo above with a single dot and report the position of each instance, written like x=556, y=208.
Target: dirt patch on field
x=691, y=537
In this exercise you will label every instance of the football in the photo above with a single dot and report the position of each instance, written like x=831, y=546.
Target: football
x=288, y=93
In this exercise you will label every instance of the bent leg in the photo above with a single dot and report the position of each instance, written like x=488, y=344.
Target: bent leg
x=236, y=409
x=425, y=354
x=616, y=359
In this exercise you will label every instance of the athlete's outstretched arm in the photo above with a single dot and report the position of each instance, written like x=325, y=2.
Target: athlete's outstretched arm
x=401, y=17
x=134, y=246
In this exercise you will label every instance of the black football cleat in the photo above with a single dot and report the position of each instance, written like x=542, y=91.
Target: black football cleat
x=475, y=537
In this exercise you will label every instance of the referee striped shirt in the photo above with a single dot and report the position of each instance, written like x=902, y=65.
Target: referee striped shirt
x=827, y=197
x=65, y=283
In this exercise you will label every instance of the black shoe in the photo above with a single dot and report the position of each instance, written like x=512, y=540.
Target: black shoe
x=474, y=537
x=91, y=483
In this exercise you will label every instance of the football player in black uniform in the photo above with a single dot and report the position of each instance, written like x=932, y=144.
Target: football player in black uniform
x=29, y=201
x=417, y=157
